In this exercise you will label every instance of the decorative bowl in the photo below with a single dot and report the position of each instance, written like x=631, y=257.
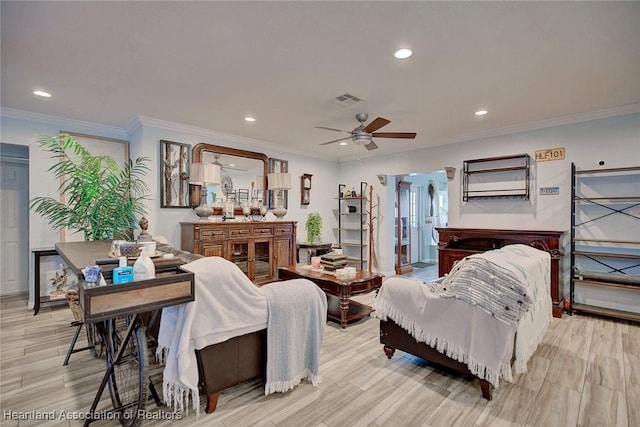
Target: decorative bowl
x=130, y=250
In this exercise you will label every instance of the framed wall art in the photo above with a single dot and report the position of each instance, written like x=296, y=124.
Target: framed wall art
x=175, y=159
x=305, y=189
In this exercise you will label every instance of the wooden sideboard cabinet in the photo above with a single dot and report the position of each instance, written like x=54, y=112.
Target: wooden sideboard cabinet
x=258, y=248
x=457, y=243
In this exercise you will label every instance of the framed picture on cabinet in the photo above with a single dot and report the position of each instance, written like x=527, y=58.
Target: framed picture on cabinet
x=175, y=159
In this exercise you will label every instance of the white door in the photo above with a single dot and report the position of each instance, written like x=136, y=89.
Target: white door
x=14, y=223
x=414, y=221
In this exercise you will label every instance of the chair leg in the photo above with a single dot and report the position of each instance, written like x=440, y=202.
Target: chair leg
x=73, y=343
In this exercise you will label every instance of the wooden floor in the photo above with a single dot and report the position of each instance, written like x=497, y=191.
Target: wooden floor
x=585, y=373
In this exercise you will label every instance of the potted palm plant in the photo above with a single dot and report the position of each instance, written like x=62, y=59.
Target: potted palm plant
x=101, y=197
x=313, y=227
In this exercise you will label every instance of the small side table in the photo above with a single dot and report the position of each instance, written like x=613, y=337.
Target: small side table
x=37, y=299
x=315, y=249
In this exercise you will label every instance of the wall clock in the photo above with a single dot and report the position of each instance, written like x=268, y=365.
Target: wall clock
x=226, y=185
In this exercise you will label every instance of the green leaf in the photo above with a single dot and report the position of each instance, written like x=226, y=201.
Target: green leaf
x=101, y=197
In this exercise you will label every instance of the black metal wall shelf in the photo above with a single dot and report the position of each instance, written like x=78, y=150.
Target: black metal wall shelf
x=485, y=179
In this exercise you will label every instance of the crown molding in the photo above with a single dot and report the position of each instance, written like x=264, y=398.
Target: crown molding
x=65, y=123
x=227, y=138
x=549, y=123
x=525, y=127
x=143, y=121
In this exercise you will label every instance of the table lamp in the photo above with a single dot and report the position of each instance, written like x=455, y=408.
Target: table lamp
x=278, y=182
x=203, y=174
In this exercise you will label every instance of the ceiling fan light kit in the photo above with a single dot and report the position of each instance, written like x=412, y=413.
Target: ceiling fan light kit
x=363, y=135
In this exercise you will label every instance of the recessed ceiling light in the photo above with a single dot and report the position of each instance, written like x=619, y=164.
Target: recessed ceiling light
x=249, y=119
x=403, y=53
x=42, y=93
x=481, y=112
x=343, y=143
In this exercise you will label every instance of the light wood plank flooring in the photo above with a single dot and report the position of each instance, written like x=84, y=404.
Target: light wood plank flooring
x=586, y=372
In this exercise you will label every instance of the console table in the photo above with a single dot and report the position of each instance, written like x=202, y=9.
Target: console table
x=457, y=243
x=125, y=344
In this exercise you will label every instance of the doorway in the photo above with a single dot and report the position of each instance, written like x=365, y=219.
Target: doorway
x=429, y=204
x=14, y=220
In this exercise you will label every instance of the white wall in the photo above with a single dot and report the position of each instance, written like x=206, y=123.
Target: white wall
x=25, y=129
x=615, y=140
x=145, y=141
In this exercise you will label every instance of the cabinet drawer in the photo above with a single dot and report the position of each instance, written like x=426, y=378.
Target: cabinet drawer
x=213, y=233
x=282, y=229
x=262, y=231
x=240, y=232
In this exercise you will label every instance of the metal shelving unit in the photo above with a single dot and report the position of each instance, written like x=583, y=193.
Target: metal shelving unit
x=352, y=225
x=610, y=260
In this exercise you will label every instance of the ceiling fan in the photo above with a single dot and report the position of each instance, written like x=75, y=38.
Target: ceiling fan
x=227, y=167
x=363, y=135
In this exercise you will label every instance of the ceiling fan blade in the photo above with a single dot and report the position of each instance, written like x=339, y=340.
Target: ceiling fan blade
x=371, y=146
x=376, y=124
x=335, y=140
x=405, y=135
x=333, y=129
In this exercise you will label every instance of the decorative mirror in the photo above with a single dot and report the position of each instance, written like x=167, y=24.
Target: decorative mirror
x=240, y=171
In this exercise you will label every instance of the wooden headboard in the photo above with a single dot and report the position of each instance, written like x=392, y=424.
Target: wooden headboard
x=457, y=243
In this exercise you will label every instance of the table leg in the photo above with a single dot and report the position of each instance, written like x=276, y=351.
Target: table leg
x=344, y=310
x=36, y=283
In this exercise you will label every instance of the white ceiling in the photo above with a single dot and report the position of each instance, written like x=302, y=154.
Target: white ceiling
x=208, y=64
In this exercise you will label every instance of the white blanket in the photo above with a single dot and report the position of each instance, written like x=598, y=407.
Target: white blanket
x=533, y=270
x=464, y=325
x=227, y=304
x=295, y=327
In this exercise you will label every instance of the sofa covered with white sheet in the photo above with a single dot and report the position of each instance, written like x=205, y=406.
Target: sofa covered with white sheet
x=486, y=318
x=235, y=331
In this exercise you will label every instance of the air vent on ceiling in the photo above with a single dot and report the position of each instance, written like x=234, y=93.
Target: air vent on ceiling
x=347, y=99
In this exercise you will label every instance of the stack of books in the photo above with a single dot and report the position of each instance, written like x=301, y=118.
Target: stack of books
x=333, y=261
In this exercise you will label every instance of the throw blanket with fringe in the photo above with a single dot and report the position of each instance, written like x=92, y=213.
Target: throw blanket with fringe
x=532, y=269
x=295, y=327
x=473, y=314
x=227, y=305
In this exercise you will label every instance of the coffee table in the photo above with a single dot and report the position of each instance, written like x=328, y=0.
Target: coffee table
x=338, y=289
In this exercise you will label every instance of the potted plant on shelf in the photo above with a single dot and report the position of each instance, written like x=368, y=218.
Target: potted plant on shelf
x=101, y=197
x=313, y=227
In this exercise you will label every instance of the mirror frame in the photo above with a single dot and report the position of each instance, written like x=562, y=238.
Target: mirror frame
x=217, y=149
